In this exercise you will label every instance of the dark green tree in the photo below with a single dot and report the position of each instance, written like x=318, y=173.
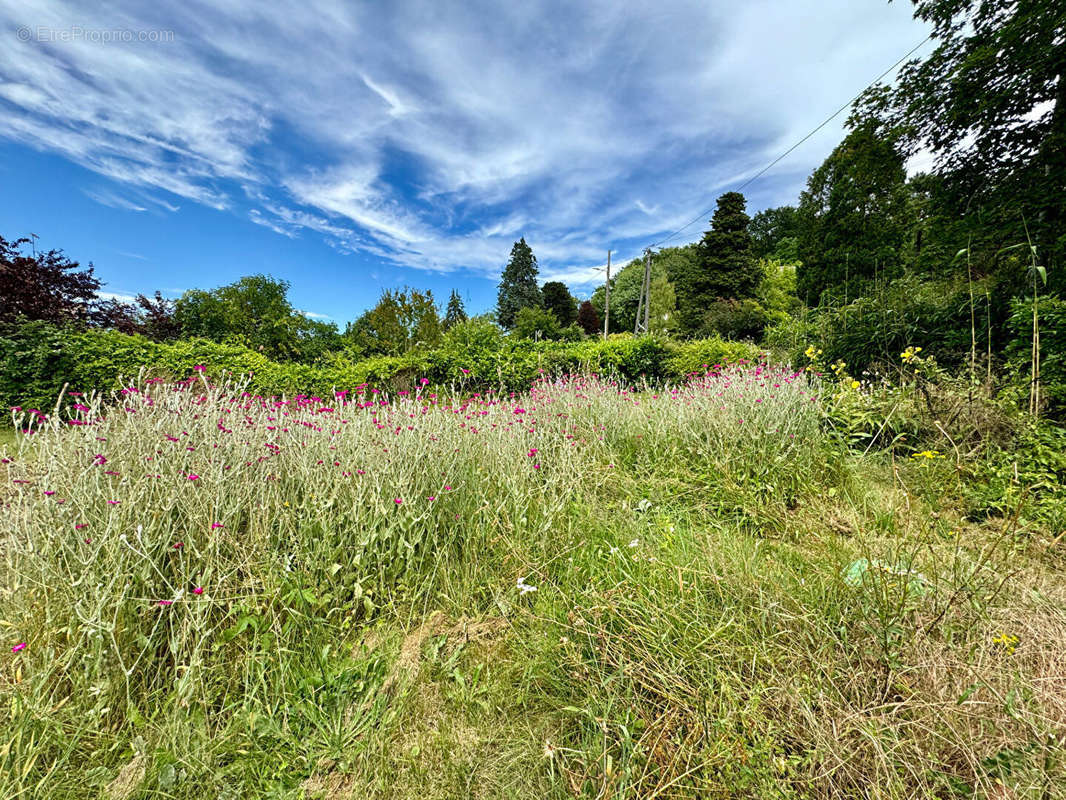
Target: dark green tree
x=990, y=103
x=588, y=320
x=455, y=313
x=518, y=285
x=773, y=233
x=559, y=301
x=726, y=267
x=853, y=217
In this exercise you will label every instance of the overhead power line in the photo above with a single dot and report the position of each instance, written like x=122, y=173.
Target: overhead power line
x=777, y=160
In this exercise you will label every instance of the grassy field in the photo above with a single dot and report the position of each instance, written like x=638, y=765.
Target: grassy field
x=585, y=590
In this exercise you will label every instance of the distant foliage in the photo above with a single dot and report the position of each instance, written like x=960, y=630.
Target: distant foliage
x=773, y=233
x=455, y=313
x=541, y=323
x=255, y=311
x=559, y=301
x=153, y=317
x=401, y=321
x=588, y=320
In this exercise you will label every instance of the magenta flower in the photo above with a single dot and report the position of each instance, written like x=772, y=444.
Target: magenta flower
x=99, y=459
x=19, y=647
x=215, y=525
x=178, y=545
x=193, y=477
x=198, y=590
x=465, y=370
x=165, y=603
x=200, y=368
x=432, y=498
x=397, y=500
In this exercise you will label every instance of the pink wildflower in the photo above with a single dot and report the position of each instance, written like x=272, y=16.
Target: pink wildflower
x=193, y=477
x=397, y=500
x=198, y=590
x=19, y=647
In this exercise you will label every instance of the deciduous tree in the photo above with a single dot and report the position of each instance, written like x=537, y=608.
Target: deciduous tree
x=43, y=286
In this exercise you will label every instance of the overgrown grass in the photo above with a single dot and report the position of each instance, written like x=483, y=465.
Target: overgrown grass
x=586, y=590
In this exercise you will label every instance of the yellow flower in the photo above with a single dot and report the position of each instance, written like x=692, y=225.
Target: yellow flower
x=1008, y=641
x=927, y=454
x=854, y=384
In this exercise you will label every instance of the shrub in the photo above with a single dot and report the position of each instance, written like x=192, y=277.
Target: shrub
x=39, y=358
x=1052, y=311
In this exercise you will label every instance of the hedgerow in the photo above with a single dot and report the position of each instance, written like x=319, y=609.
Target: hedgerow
x=39, y=359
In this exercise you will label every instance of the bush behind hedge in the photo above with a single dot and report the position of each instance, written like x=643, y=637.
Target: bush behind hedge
x=38, y=359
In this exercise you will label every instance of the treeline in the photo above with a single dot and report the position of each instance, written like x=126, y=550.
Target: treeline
x=964, y=260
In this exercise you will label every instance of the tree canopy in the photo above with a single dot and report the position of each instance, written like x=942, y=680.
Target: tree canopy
x=401, y=321
x=559, y=301
x=44, y=286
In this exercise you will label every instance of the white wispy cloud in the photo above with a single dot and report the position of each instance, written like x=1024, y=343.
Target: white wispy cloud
x=433, y=136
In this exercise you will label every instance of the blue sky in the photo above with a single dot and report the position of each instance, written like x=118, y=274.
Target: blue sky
x=349, y=147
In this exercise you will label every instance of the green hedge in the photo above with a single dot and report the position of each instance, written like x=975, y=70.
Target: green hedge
x=37, y=359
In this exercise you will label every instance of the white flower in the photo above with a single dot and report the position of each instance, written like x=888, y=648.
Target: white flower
x=524, y=588
x=635, y=543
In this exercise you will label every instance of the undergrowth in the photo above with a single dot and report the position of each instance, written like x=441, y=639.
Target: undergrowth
x=584, y=590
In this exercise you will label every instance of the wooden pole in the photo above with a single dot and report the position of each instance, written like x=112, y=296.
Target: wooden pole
x=607, y=304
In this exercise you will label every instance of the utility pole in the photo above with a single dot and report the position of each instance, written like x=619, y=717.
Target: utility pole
x=607, y=305
x=641, y=326
x=647, y=289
